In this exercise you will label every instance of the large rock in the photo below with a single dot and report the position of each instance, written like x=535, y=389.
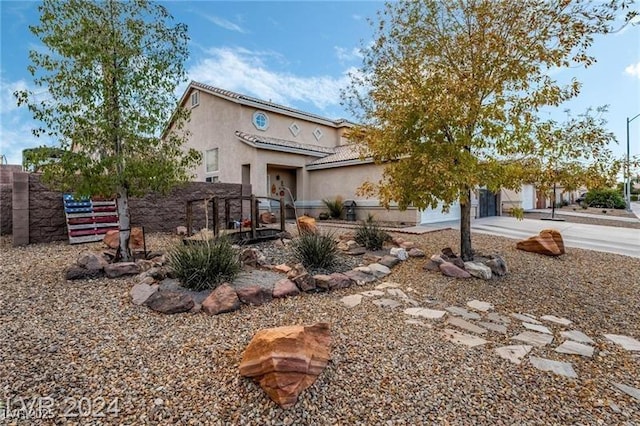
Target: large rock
x=76, y=272
x=254, y=294
x=305, y=282
x=360, y=277
x=222, y=299
x=389, y=261
x=287, y=360
x=451, y=270
x=285, y=288
x=416, y=252
x=92, y=260
x=170, y=302
x=115, y=270
x=141, y=292
x=379, y=270
x=478, y=270
x=307, y=224
x=497, y=265
x=548, y=242
x=399, y=252
x=252, y=257
x=339, y=280
x=136, y=240
x=298, y=269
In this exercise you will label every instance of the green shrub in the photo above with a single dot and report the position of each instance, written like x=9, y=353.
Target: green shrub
x=335, y=207
x=370, y=235
x=315, y=250
x=607, y=198
x=204, y=265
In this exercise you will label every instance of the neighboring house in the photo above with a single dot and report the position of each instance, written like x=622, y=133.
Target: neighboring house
x=529, y=198
x=286, y=152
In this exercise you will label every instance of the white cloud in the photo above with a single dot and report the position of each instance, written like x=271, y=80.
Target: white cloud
x=633, y=70
x=246, y=72
x=223, y=23
x=346, y=55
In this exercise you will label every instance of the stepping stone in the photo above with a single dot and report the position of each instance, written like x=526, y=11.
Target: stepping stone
x=533, y=338
x=462, y=312
x=412, y=302
x=465, y=325
x=499, y=328
x=379, y=270
x=557, y=367
x=536, y=327
x=462, y=339
x=514, y=353
x=575, y=348
x=372, y=293
x=418, y=322
x=425, y=313
x=576, y=336
x=387, y=284
x=396, y=292
x=557, y=320
x=628, y=390
x=480, y=306
x=526, y=318
x=352, y=301
x=628, y=343
x=496, y=317
x=387, y=303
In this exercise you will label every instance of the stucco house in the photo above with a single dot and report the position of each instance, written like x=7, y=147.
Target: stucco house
x=283, y=151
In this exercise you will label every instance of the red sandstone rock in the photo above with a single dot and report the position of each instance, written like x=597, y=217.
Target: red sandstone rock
x=287, y=360
x=451, y=270
x=222, y=299
x=254, y=295
x=284, y=288
x=548, y=242
x=112, y=239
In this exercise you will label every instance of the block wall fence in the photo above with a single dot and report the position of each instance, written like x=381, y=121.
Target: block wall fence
x=32, y=213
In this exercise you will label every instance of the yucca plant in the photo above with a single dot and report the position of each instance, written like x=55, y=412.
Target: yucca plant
x=369, y=235
x=316, y=250
x=335, y=207
x=204, y=265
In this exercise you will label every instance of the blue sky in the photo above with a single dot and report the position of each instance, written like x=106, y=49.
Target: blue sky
x=299, y=54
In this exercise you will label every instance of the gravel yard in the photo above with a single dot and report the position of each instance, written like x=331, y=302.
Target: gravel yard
x=71, y=340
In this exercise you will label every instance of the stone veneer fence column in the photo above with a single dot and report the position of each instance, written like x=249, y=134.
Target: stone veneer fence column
x=38, y=212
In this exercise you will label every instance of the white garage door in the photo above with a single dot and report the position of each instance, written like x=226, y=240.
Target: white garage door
x=528, y=197
x=436, y=215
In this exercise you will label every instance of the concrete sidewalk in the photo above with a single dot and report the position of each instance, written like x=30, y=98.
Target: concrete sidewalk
x=560, y=212
x=625, y=241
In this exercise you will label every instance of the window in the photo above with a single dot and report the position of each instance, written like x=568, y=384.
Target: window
x=295, y=129
x=195, y=98
x=260, y=120
x=317, y=133
x=211, y=160
x=212, y=179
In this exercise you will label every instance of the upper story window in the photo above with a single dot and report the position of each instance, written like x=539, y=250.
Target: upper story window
x=260, y=120
x=195, y=98
x=317, y=133
x=211, y=160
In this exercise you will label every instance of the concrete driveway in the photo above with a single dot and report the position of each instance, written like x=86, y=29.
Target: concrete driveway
x=625, y=241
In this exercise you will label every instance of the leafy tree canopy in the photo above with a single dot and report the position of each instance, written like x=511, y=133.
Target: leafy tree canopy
x=450, y=93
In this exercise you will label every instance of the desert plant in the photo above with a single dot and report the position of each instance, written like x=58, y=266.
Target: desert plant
x=323, y=216
x=517, y=212
x=202, y=265
x=607, y=198
x=369, y=235
x=315, y=250
x=335, y=207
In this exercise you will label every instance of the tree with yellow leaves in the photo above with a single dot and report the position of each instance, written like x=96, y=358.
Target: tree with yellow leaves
x=450, y=92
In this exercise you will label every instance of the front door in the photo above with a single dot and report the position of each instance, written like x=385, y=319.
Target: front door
x=487, y=203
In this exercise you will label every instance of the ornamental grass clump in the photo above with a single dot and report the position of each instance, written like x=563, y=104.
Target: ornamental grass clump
x=202, y=265
x=316, y=250
x=369, y=235
x=335, y=207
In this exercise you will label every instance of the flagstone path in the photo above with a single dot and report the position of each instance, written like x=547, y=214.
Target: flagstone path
x=475, y=324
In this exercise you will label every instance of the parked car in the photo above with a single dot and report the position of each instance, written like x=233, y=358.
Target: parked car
x=581, y=198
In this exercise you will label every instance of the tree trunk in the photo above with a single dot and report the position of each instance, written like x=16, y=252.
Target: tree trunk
x=125, y=224
x=466, y=251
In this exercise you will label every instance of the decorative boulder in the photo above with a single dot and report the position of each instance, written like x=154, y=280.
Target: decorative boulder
x=478, y=270
x=451, y=270
x=287, y=360
x=136, y=240
x=305, y=282
x=548, y=242
x=399, y=252
x=170, y=302
x=389, y=261
x=92, y=260
x=497, y=265
x=285, y=288
x=416, y=252
x=222, y=299
x=142, y=291
x=307, y=225
x=75, y=272
x=254, y=295
x=115, y=270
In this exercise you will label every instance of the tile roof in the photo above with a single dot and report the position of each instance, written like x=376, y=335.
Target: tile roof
x=315, y=150
x=341, y=154
x=341, y=122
